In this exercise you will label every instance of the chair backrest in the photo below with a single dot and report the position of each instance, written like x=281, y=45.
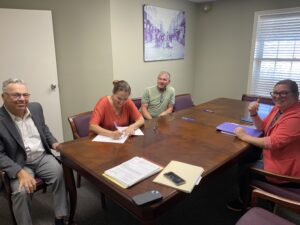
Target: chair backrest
x=252, y=98
x=80, y=124
x=183, y=101
x=282, y=191
x=137, y=102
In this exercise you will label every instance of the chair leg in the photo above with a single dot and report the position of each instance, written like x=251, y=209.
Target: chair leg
x=78, y=180
x=7, y=192
x=103, y=201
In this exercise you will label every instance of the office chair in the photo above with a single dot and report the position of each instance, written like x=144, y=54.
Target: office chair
x=252, y=98
x=40, y=185
x=259, y=216
x=285, y=192
x=183, y=101
x=80, y=128
x=137, y=102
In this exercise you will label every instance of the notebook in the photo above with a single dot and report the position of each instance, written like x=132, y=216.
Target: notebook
x=263, y=111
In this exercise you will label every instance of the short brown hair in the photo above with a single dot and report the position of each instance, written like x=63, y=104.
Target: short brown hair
x=121, y=85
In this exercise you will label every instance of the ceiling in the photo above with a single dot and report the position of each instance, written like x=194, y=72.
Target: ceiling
x=202, y=1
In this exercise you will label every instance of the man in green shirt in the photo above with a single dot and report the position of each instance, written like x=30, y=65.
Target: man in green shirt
x=158, y=100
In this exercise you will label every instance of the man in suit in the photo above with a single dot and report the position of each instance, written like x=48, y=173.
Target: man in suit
x=25, y=143
x=158, y=100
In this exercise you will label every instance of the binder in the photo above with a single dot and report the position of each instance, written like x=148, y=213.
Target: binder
x=229, y=128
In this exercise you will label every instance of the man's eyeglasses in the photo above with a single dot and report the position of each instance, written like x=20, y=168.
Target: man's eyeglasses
x=280, y=94
x=18, y=95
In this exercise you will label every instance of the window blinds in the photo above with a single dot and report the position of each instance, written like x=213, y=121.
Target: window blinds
x=277, y=51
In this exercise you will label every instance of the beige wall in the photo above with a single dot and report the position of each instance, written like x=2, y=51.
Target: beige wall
x=224, y=37
x=101, y=40
x=127, y=46
x=84, y=33
x=83, y=50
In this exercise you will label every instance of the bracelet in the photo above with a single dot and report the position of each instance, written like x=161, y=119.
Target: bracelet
x=253, y=115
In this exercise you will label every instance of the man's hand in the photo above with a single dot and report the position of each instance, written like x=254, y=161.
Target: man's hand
x=163, y=114
x=56, y=146
x=26, y=180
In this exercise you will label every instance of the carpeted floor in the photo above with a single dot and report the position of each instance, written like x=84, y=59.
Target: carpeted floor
x=205, y=207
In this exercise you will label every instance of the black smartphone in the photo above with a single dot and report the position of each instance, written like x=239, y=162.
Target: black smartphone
x=147, y=197
x=174, y=178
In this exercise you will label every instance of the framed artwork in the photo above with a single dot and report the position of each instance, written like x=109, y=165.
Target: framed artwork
x=164, y=33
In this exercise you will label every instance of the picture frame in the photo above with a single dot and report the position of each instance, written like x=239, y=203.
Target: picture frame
x=164, y=33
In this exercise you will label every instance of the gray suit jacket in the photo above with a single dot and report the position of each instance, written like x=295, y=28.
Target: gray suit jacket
x=12, y=150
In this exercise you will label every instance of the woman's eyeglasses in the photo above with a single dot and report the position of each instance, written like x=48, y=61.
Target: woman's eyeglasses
x=280, y=94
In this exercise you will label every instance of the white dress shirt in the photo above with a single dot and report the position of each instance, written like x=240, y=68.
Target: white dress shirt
x=30, y=136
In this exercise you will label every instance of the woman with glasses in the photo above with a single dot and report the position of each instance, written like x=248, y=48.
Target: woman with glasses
x=116, y=110
x=281, y=141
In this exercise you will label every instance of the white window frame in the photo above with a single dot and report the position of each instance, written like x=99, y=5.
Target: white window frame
x=257, y=15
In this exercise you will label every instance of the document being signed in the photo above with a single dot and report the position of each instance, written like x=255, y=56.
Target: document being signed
x=121, y=140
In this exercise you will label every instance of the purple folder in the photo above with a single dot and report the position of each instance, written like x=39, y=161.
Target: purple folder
x=229, y=128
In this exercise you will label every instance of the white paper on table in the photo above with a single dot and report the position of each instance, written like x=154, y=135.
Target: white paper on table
x=121, y=140
x=101, y=138
x=137, y=132
x=132, y=171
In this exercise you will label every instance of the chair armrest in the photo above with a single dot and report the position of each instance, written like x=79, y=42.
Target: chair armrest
x=291, y=204
x=5, y=182
x=275, y=175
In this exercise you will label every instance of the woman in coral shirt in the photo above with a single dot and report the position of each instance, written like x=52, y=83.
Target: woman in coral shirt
x=282, y=130
x=280, y=143
x=116, y=110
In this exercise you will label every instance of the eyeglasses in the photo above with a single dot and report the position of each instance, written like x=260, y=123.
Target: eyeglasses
x=18, y=95
x=280, y=94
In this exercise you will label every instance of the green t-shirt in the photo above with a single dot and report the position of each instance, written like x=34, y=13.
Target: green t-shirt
x=158, y=101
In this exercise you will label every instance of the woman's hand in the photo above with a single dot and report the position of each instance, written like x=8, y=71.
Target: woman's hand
x=240, y=133
x=116, y=134
x=129, y=130
x=253, y=107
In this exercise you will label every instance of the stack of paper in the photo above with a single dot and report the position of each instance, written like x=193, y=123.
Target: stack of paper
x=190, y=173
x=132, y=171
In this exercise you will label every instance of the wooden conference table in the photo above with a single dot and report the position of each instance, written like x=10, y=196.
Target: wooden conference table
x=188, y=136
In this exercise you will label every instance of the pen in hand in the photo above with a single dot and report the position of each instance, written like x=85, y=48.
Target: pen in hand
x=118, y=129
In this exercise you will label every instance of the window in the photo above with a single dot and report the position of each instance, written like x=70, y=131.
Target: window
x=275, y=50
